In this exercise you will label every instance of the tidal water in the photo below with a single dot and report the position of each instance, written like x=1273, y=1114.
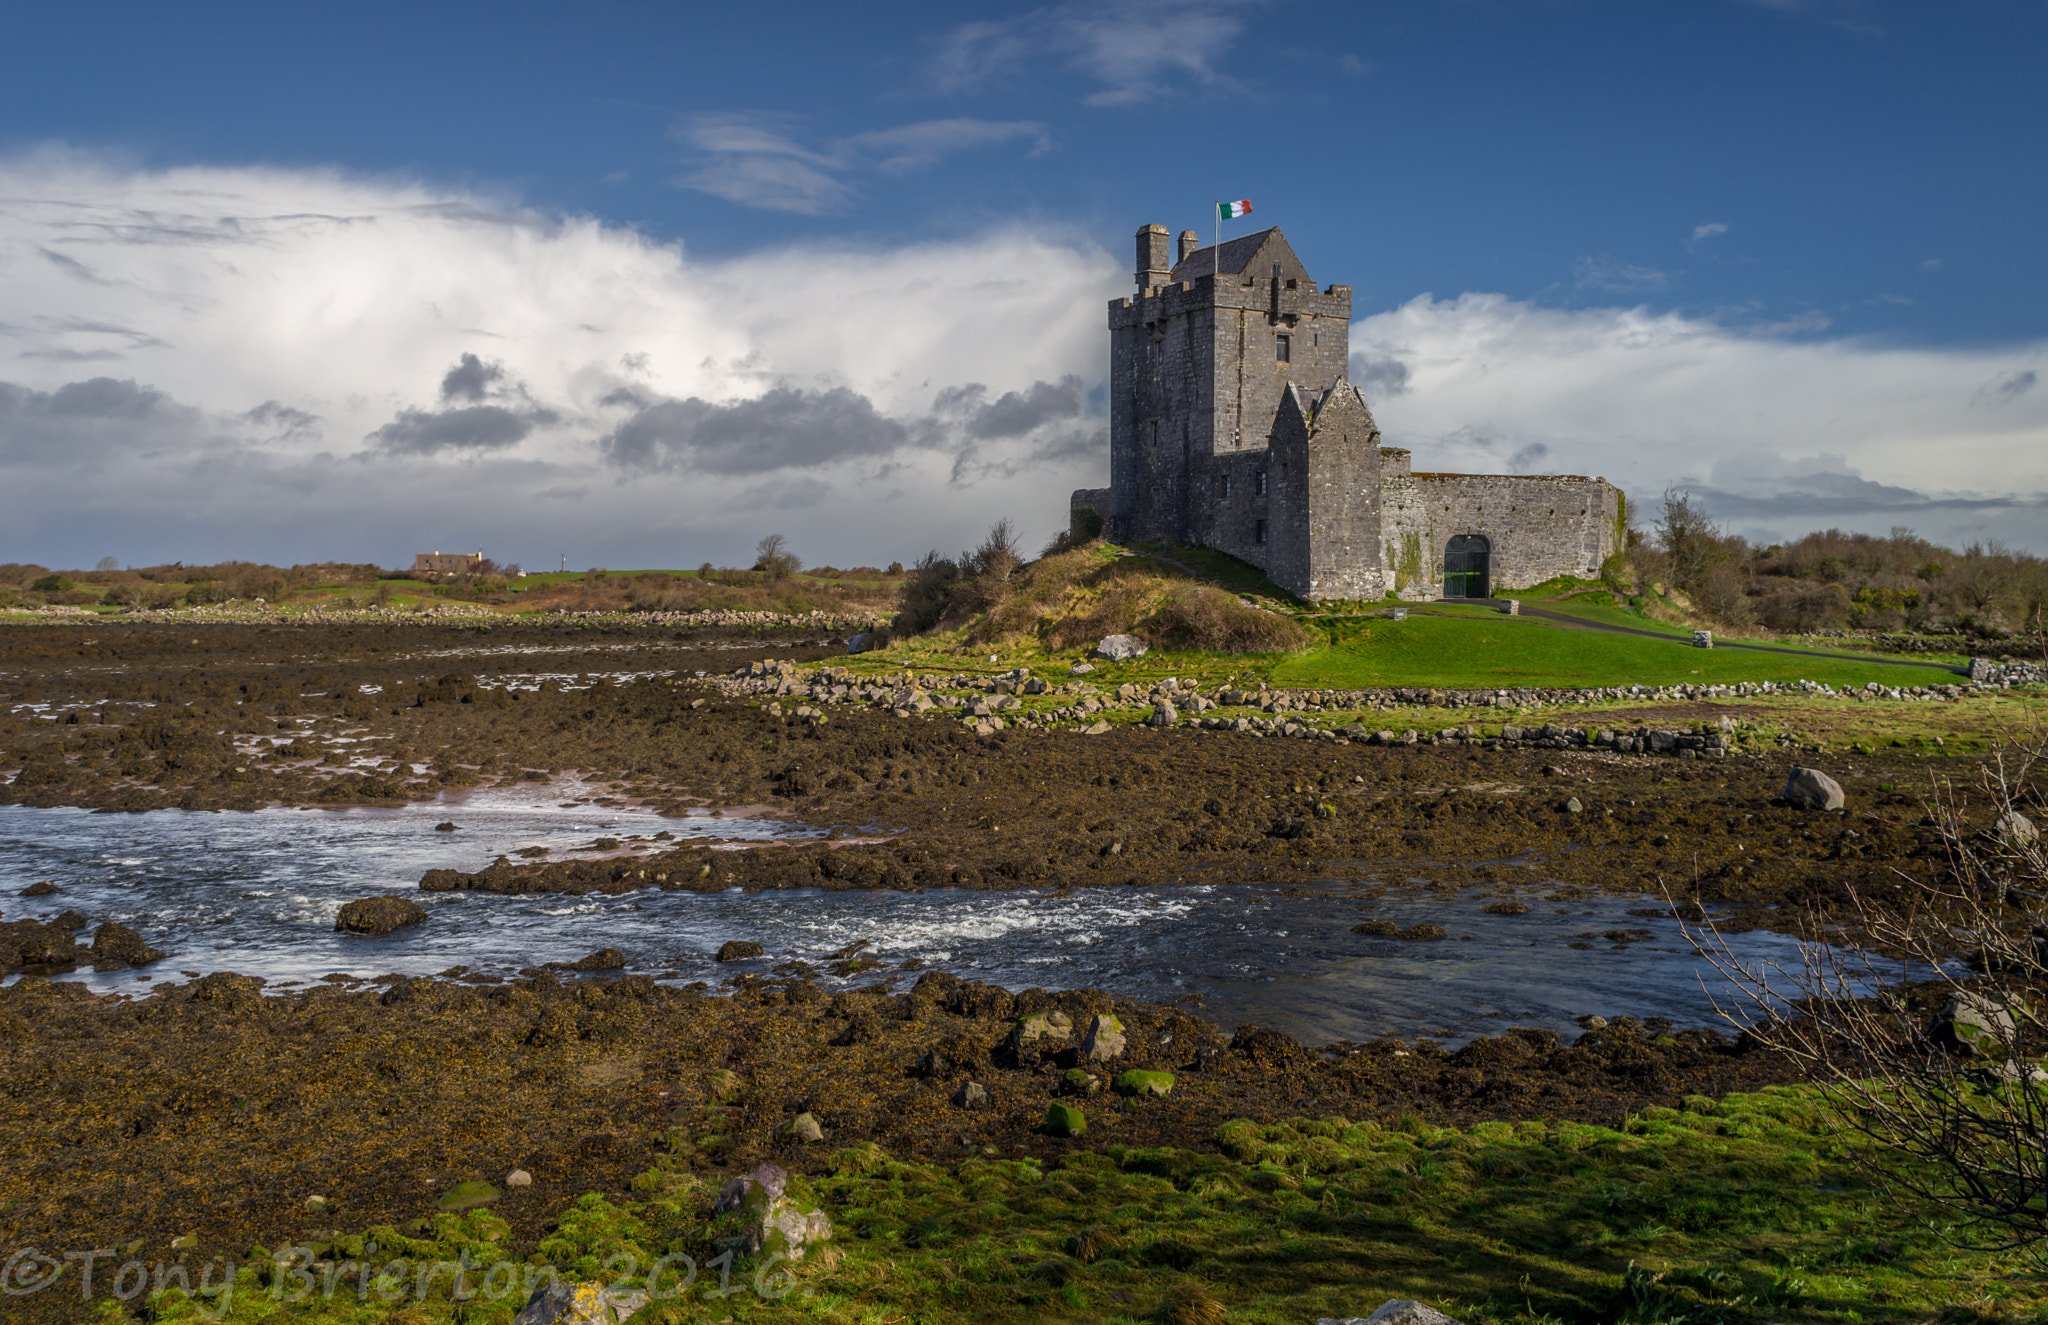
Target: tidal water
x=258, y=892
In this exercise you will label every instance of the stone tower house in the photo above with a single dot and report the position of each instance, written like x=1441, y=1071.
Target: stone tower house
x=1232, y=426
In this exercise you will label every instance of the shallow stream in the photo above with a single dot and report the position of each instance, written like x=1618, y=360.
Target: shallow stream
x=258, y=892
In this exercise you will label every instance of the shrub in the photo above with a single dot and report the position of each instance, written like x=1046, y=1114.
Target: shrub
x=48, y=584
x=1199, y=616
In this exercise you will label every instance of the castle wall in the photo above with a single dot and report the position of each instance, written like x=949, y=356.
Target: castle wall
x=1538, y=526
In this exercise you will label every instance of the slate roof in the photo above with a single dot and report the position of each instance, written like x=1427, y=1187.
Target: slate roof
x=1236, y=254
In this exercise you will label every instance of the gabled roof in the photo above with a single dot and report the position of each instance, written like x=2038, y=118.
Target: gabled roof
x=1253, y=253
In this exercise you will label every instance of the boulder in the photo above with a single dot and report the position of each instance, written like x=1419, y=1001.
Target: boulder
x=604, y=959
x=1971, y=1026
x=518, y=1178
x=467, y=1196
x=1080, y=669
x=739, y=950
x=578, y=1304
x=971, y=1095
x=118, y=943
x=1036, y=1030
x=1811, y=789
x=1066, y=1120
x=1156, y=1085
x=1121, y=648
x=764, y=1213
x=1075, y=1081
x=2015, y=829
x=1164, y=714
x=1105, y=1039
x=804, y=1128
x=43, y=888
x=378, y=915
x=1400, y=1311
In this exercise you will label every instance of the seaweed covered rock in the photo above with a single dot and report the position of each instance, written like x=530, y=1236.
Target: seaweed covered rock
x=767, y=1212
x=739, y=950
x=378, y=915
x=118, y=943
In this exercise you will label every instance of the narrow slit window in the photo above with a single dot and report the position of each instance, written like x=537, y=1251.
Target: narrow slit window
x=1223, y=488
x=1258, y=531
x=1259, y=486
x=1283, y=349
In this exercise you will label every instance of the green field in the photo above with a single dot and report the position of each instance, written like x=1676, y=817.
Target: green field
x=1452, y=647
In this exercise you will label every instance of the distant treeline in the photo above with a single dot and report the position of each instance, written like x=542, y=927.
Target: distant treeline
x=1835, y=580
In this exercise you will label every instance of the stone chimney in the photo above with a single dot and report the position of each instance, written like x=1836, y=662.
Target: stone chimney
x=1189, y=242
x=1153, y=268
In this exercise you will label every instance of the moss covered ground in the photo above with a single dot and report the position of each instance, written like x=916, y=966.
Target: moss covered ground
x=1749, y=1208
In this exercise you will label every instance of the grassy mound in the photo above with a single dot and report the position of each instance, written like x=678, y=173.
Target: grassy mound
x=1072, y=599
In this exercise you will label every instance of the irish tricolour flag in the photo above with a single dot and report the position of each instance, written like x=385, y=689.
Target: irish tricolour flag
x=1230, y=211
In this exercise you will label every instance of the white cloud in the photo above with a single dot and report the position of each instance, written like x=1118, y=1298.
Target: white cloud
x=1785, y=435
x=1709, y=230
x=1131, y=48
x=1617, y=277
x=301, y=364
x=751, y=160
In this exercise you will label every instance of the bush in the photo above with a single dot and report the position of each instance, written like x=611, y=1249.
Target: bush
x=774, y=559
x=1199, y=616
x=49, y=584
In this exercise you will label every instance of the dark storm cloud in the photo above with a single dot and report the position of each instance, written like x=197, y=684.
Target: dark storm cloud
x=2008, y=387
x=83, y=420
x=1014, y=413
x=473, y=428
x=786, y=428
x=1526, y=459
x=282, y=419
x=471, y=379
x=73, y=267
x=1824, y=495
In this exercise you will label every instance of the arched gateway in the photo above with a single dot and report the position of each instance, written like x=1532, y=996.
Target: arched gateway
x=1468, y=567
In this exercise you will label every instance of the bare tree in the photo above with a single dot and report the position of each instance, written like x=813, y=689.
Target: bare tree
x=1924, y=1035
x=1688, y=539
x=998, y=557
x=108, y=563
x=774, y=559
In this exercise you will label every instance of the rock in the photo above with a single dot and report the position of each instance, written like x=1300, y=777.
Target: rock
x=1400, y=1311
x=2015, y=829
x=1506, y=908
x=70, y=920
x=758, y=1214
x=1075, y=1081
x=1811, y=789
x=861, y=643
x=40, y=889
x=1121, y=648
x=1080, y=669
x=1971, y=1026
x=578, y=1304
x=1040, y=1029
x=1156, y=1085
x=971, y=1095
x=1592, y=1021
x=467, y=1196
x=1164, y=714
x=316, y=1205
x=518, y=1178
x=604, y=959
x=118, y=943
x=1574, y=806
x=1095, y=728
x=1105, y=1039
x=378, y=915
x=739, y=950
x=804, y=1128
x=1066, y=1120
x=444, y=827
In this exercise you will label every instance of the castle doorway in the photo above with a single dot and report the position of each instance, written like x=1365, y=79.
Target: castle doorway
x=1468, y=567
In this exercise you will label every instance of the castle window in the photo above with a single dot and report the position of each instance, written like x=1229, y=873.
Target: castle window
x=1223, y=488
x=1283, y=348
x=1259, y=485
x=1258, y=531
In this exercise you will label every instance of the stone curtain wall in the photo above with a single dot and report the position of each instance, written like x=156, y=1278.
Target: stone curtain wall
x=1539, y=527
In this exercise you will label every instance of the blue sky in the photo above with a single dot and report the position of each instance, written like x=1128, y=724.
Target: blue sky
x=1820, y=195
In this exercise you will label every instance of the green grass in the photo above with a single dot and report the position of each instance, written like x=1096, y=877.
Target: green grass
x=1473, y=647
x=1749, y=1209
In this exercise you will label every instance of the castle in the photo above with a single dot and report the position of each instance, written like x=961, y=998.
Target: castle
x=1233, y=426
